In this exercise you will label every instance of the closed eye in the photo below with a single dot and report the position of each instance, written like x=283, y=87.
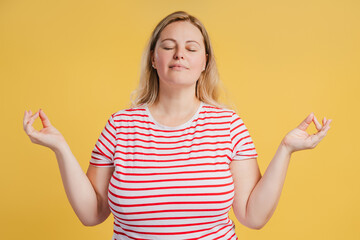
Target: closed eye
x=191, y=50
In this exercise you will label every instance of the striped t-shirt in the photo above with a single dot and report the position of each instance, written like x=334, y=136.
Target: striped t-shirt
x=172, y=182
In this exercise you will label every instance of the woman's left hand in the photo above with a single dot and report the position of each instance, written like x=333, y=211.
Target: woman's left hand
x=299, y=139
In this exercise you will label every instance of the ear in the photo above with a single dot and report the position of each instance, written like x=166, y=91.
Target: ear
x=152, y=58
x=207, y=56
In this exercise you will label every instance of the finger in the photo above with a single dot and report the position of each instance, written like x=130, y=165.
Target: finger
x=324, y=121
x=305, y=124
x=25, y=119
x=34, y=116
x=28, y=126
x=29, y=129
x=316, y=138
x=328, y=122
x=317, y=124
x=44, y=119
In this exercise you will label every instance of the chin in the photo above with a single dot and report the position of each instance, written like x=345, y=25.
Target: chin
x=180, y=82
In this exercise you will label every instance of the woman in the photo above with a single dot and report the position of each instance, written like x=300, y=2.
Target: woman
x=172, y=165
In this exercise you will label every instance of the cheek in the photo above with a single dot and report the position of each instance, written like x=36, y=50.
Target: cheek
x=198, y=63
x=162, y=62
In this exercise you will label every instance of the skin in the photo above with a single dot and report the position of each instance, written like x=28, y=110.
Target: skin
x=256, y=196
x=179, y=43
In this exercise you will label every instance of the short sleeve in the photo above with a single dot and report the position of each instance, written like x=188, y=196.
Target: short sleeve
x=104, y=149
x=242, y=144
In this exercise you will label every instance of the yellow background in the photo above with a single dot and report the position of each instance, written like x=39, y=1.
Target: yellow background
x=279, y=61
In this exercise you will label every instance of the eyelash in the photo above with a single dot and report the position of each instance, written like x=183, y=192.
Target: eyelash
x=189, y=49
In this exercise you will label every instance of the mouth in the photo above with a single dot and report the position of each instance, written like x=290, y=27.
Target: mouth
x=178, y=67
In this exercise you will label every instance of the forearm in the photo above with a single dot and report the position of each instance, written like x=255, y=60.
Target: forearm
x=78, y=187
x=266, y=194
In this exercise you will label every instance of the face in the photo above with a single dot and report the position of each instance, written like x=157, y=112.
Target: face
x=179, y=56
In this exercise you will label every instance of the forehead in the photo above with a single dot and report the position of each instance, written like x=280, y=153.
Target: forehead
x=181, y=31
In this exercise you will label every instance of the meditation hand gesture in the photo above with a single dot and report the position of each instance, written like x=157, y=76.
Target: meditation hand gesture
x=49, y=136
x=299, y=139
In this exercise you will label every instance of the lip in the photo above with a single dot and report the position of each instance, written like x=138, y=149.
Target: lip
x=177, y=66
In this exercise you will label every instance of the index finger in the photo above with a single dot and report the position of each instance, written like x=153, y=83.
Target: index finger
x=305, y=124
x=25, y=119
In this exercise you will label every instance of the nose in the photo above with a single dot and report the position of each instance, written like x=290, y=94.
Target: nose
x=179, y=53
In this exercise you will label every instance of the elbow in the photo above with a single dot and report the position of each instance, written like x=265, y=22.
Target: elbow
x=88, y=223
x=256, y=226
x=93, y=221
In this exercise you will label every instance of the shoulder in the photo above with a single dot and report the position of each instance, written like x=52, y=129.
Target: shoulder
x=129, y=112
x=214, y=109
x=220, y=112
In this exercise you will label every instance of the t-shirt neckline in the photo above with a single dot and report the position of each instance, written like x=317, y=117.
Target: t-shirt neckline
x=184, y=125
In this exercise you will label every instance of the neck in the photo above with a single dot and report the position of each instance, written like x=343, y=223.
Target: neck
x=176, y=102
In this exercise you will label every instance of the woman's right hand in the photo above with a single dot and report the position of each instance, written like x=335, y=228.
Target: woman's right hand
x=49, y=136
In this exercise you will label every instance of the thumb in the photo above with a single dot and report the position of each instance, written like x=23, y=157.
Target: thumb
x=305, y=124
x=44, y=119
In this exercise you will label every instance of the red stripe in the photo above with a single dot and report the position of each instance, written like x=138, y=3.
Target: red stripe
x=102, y=153
x=172, y=187
x=177, y=166
x=205, y=111
x=111, y=124
x=101, y=164
x=171, y=203
x=107, y=139
x=131, y=115
x=102, y=145
x=172, y=160
x=171, y=173
x=159, y=130
x=172, y=154
x=212, y=233
x=173, y=225
x=212, y=107
x=147, y=116
x=250, y=155
x=168, y=142
x=241, y=139
x=170, y=195
x=234, y=130
x=237, y=118
x=221, y=236
x=166, y=218
x=172, y=148
x=169, y=233
x=237, y=134
x=133, y=120
x=179, y=130
x=121, y=233
x=227, y=208
x=170, y=180
x=135, y=109
x=245, y=150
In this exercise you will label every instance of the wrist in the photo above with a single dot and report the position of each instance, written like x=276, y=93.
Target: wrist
x=285, y=148
x=60, y=148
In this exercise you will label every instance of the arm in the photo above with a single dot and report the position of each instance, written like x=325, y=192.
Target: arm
x=87, y=194
x=256, y=197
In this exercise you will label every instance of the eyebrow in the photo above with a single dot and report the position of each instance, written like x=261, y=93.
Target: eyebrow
x=171, y=39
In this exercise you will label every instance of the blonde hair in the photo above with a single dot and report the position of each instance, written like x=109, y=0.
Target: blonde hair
x=208, y=84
